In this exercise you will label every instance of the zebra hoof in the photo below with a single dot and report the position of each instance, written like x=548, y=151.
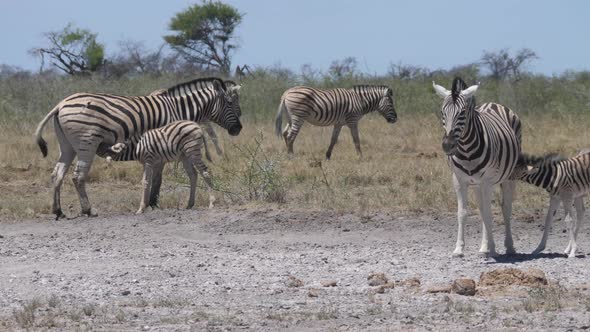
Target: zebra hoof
x=59, y=214
x=457, y=254
x=88, y=213
x=487, y=254
x=510, y=251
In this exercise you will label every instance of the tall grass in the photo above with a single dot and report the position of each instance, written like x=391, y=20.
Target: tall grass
x=403, y=168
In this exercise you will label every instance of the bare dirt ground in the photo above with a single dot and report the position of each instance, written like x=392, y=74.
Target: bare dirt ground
x=275, y=269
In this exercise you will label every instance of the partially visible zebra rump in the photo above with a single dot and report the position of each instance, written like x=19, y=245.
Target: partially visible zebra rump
x=567, y=180
x=180, y=140
x=87, y=124
x=332, y=107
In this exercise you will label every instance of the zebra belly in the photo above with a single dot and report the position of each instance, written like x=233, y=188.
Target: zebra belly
x=324, y=123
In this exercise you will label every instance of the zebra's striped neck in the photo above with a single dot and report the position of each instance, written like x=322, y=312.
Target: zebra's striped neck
x=471, y=135
x=196, y=106
x=369, y=97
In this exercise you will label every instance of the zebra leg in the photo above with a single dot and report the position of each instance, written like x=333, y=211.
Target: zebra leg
x=156, y=184
x=461, y=191
x=572, y=225
x=551, y=212
x=147, y=183
x=579, y=204
x=335, y=134
x=192, y=176
x=211, y=132
x=66, y=157
x=81, y=171
x=286, y=133
x=484, y=195
x=293, y=131
x=354, y=131
x=198, y=162
x=507, y=198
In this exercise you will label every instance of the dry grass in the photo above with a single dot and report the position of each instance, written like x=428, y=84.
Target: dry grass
x=402, y=170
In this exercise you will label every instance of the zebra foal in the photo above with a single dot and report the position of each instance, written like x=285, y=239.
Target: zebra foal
x=179, y=140
x=332, y=107
x=567, y=180
x=482, y=145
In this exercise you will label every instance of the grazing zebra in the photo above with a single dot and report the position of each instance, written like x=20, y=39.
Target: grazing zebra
x=87, y=124
x=566, y=181
x=482, y=146
x=179, y=140
x=333, y=107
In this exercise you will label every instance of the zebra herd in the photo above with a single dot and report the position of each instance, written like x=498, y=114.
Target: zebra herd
x=482, y=143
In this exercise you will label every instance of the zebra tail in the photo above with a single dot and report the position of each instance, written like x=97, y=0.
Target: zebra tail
x=207, y=154
x=279, y=118
x=38, y=138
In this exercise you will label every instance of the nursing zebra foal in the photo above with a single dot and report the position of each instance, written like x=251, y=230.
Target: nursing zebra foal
x=566, y=181
x=332, y=107
x=87, y=124
x=482, y=145
x=179, y=140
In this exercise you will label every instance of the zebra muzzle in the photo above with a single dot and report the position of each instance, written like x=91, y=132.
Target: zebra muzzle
x=235, y=130
x=449, y=145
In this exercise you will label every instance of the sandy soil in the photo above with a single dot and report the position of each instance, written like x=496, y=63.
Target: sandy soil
x=266, y=270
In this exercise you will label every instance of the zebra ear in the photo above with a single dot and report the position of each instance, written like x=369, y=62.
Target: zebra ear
x=236, y=88
x=440, y=90
x=470, y=91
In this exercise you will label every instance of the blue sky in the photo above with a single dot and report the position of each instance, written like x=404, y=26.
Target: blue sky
x=435, y=34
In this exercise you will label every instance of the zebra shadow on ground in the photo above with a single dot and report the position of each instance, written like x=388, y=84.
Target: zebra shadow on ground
x=519, y=258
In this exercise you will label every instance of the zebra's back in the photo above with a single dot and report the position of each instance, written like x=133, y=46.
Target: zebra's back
x=571, y=176
x=170, y=142
x=113, y=118
x=320, y=107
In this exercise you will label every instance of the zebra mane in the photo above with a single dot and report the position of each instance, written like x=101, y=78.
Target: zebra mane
x=458, y=86
x=199, y=82
x=544, y=160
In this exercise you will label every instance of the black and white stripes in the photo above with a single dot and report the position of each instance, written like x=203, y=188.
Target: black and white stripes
x=482, y=145
x=332, y=107
x=87, y=124
x=567, y=180
x=180, y=140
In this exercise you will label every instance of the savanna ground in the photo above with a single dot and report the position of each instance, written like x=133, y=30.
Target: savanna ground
x=228, y=268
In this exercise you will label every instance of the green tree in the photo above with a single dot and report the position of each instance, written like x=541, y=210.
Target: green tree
x=204, y=34
x=73, y=50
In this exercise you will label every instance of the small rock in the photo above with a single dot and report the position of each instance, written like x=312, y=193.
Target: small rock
x=464, y=286
x=125, y=292
x=293, y=282
x=439, y=289
x=381, y=289
x=313, y=292
x=512, y=276
x=412, y=282
x=377, y=279
x=329, y=283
